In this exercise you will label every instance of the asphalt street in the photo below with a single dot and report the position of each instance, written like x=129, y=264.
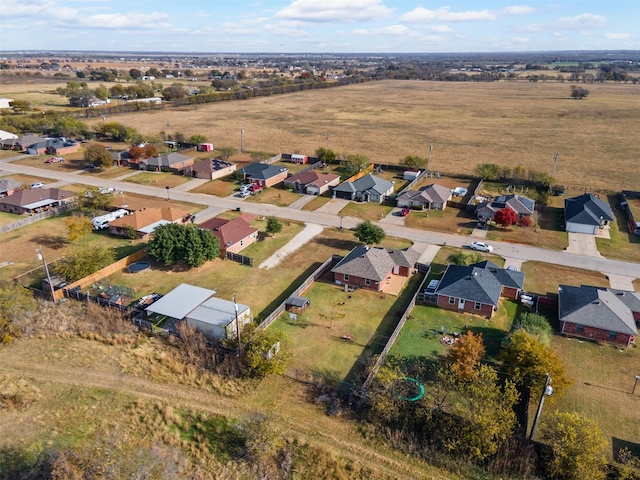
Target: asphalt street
x=505, y=249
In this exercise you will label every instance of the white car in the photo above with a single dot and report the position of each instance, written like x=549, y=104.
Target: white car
x=106, y=190
x=481, y=246
x=37, y=185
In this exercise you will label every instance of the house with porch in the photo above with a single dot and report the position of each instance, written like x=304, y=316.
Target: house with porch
x=376, y=268
x=145, y=221
x=36, y=200
x=587, y=214
x=523, y=206
x=477, y=288
x=599, y=314
x=312, y=182
x=368, y=188
x=263, y=174
x=431, y=197
x=233, y=235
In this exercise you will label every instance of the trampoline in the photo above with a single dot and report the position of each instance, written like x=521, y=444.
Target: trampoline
x=138, y=267
x=411, y=391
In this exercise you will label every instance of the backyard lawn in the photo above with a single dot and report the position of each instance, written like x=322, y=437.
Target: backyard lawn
x=366, y=211
x=317, y=333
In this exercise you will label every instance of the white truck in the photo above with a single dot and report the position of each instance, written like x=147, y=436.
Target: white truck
x=102, y=222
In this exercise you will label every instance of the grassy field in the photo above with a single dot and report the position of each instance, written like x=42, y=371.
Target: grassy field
x=316, y=203
x=366, y=211
x=158, y=179
x=545, y=277
x=276, y=195
x=450, y=220
x=508, y=123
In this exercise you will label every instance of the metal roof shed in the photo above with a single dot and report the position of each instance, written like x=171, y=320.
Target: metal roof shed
x=297, y=304
x=180, y=301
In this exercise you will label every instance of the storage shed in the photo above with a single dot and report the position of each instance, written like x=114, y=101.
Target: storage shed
x=297, y=304
x=299, y=159
x=205, y=147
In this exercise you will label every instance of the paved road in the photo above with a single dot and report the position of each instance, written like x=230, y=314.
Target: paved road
x=513, y=251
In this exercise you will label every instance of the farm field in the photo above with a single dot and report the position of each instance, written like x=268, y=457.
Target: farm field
x=509, y=123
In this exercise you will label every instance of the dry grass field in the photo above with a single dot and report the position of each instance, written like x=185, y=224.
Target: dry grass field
x=506, y=123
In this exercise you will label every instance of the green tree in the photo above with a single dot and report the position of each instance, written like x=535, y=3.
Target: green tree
x=15, y=302
x=413, y=162
x=505, y=217
x=578, y=93
x=488, y=171
x=97, y=154
x=83, y=261
x=578, y=447
x=355, y=164
x=368, y=233
x=66, y=126
x=102, y=92
x=130, y=232
x=527, y=361
x=225, y=153
x=173, y=243
x=534, y=324
x=464, y=258
x=266, y=352
x=92, y=200
x=78, y=227
x=274, y=226
x=325, y=155
x=197, y=138
x=20, y=105
x=135, y=74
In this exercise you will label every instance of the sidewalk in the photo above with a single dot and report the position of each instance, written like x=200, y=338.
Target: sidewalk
x=190, y=185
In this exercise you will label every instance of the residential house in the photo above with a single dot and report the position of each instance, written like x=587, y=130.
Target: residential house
x=374, y=268
x=4, y=135
x=586, y=214
x=174, y=162
x=53, y=146
x=233, y=235
x=35, y=200
x=211, y=169
x=145, y=221
x=196, y=306
x=630, y=201
x=523, y=206
x=312, y=182
x=120, y=158
x=263, y=174
x=368, y=188
x=9, y=186
x=431, y=197
x=477, y=288
x=20, y=144
x=599, y=314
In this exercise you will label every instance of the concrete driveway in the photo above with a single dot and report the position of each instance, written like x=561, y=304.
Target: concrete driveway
x=582, y=244
x=333, y=206
x=394, y=217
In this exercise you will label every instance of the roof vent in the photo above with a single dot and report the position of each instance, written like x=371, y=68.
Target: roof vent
x=475, y=274
x=620, y=294
x=596, y=302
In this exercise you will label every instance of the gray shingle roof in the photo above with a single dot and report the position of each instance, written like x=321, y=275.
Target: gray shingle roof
x=433, y=193
x=167, y=160
x=587, y=209
x=481, y=282
x=374, y=263
x=9, y=184
x=599, y=307
x=368, y=183
x=262, y=171
x=519, y=204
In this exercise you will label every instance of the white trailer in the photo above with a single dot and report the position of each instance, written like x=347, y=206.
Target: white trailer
x=102, y=222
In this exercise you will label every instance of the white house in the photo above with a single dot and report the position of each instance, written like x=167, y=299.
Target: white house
x=5, y=102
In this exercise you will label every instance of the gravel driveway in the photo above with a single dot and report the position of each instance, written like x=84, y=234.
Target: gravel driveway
x=309, y=231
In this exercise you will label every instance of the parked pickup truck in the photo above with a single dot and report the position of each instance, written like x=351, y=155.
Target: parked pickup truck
x=54, y=160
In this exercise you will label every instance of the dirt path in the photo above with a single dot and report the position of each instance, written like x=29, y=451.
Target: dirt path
x=308, y=429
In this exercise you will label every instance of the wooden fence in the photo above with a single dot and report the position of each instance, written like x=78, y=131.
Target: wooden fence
x=383, y=355
x=317, y=273
x=36, y=217
x=365, y=171
x=236, y=257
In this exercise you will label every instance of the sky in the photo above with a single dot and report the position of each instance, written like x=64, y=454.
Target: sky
x=317, y=26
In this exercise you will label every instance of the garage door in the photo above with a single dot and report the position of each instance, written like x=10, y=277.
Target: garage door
x=580, y=228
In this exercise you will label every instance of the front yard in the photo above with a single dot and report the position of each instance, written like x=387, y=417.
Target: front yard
x=366, y=211
x=545, y=232
x=158, y=179
x=222, y=187
x=277, y=195
x=450, y=220
x=543, y=278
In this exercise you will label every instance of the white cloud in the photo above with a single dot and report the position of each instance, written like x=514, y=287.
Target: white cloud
x=136, y=20
x=520, y=40
x=617, y=36
x=395, y=30
x=361, y=31
x=285, y=29
x=517, y=10
x=439, y=29
x=202, y=31
x=444, y=14
x=586, y=20
x=335, y=10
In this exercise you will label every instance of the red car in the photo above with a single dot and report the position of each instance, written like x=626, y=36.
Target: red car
x=54, y=160
x=405, y=212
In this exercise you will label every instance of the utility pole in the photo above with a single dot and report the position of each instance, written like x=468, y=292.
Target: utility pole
x=241, y=139
x=634, y=385
x=235, y=306
x=326, y=141
x=429, y=156
x=547, y=390
x=46, y=270
x=555, y=162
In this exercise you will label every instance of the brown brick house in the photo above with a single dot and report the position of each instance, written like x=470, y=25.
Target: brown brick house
x=477, y=288
x=145, y=221
x=35, y=200
x=598, y=313
x=233, y=235
x=263, y=174
x=374, y=267
x=312, y=182
x=211, y=169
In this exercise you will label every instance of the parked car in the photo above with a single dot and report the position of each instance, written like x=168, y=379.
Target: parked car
x=54, y=160
x=37, y=185
x=481, y=246
x=405, y=212
x=106, y=190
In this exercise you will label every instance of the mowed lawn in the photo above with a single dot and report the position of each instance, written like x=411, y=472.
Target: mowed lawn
x=509, y=123
x=365, y=316
x=158, y=179
x=543, y=278
x=604, y=377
